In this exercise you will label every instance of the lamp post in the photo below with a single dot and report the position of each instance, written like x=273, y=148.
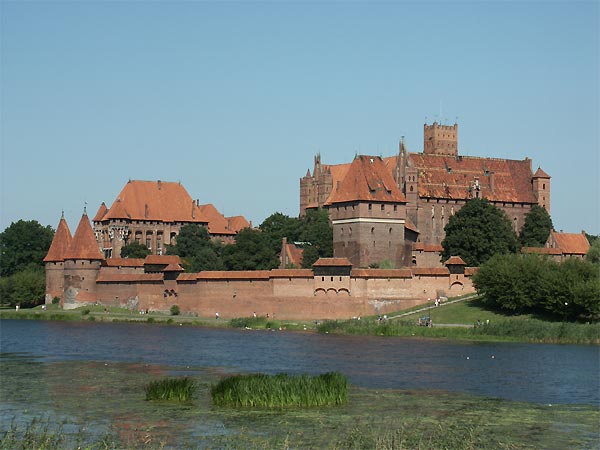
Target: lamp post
x=565, y=315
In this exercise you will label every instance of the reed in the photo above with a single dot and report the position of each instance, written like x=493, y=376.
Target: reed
x=253, y=322
x=179, y=389
x=281, y=391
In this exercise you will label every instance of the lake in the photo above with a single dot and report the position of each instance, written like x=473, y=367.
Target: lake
x=539, y=373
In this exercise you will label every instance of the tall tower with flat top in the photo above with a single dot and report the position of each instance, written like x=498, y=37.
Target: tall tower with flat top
x=440, y=139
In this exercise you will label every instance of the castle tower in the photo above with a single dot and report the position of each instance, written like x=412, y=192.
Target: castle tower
x=368, y=212
x=82, y=265
x=541, y=188
x=440, y=139
x=55, y=261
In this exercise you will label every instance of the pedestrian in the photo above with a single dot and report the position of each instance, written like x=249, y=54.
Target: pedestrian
x=216, y=315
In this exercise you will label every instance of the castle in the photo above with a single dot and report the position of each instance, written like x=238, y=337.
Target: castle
x=151, y=213
x=397, y=211
x=382, y=209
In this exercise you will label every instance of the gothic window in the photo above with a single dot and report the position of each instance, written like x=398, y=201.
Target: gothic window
x=383, y=207
x=370, y=207
x=372, y=230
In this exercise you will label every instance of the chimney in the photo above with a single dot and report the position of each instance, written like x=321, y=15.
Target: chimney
x=492, y=181
x=193, y=209
x=146, y=210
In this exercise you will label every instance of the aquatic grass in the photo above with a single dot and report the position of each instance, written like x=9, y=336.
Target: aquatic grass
x=281, y=391
x=253, y=322
x=179, y=389
x=535, y=330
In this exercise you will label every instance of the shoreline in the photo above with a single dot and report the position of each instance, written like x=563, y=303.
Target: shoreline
x=454, y=332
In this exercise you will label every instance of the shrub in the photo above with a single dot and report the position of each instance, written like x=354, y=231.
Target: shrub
x=282, y=390
x=180, y=389
x=85, y=312
x=150, y=320
x=174, y=310
x=56, y=300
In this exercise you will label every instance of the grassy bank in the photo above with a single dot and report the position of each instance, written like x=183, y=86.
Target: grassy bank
x=530, y=330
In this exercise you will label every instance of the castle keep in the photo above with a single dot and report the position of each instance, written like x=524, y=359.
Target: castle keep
x=428, y=188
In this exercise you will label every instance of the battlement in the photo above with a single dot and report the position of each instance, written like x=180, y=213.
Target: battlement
x=440, y=139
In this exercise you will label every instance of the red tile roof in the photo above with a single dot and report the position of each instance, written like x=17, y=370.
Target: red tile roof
x=409, y=225
x=448, y=177
x=162, y=259
x=294, y=254
x=161, y=201
x=101, y=212
x=84, y=245
x=60, y=243
x=321, y=262
x=187, y=277
x=237, y=223
x=455, y=260
x=367, y=179
x=540, y=174
x=217, y=223
x=173, y=268
x=571, y=243
x=125, y=262
x=233, y=275
x=291, y=273
x=430, y=271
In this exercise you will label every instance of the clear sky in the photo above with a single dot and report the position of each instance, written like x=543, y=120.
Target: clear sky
x=234, y=99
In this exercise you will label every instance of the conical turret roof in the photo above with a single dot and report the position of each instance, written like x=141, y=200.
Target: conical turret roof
x=84, y=245
x=61, y=242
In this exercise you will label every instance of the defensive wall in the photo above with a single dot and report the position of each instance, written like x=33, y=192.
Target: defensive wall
x=330, y=292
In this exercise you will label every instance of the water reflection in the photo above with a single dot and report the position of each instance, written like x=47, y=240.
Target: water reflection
x=535, y=373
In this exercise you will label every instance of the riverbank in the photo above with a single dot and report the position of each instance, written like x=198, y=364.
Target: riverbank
x=67, y=408
x=462, y=319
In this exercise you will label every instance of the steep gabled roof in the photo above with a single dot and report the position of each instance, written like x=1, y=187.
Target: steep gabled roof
x=162, y=259
x=237, y=223
x=294, y=254
x=101, y=212
x=60, y=243
x=455, y=260
x=217, y=223
x=571, y=243
x=84, y=245
x=500, y=180
x=540, y=174
x=161, y=201
x=367, y=179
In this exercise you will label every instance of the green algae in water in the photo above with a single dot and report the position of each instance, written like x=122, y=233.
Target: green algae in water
x=106, y=401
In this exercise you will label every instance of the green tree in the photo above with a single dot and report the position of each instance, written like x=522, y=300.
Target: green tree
x=252, y=251
x=134, y=250
x=278, y=226
x=22, y=244
x=536, y=228
x=593, y=254
x=478, y=231
x=196, y=249
x=26, y=288
x=316, y=231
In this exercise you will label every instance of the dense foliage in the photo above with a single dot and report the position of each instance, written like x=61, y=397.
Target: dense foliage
x=536, y=228
x=255, y=249
x=535, y=284
x=24, y=244
x=134, y=250
x=478, y=231
x=196, y=249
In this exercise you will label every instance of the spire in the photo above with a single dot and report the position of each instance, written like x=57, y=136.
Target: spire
x=84, y=245
x=60, y=243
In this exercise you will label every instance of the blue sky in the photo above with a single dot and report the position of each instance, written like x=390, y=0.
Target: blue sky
x=234, y=99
